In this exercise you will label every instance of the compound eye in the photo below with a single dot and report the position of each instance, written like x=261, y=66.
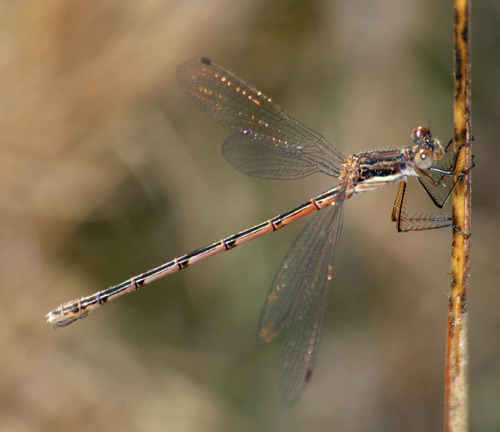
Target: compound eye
x=424, y=158
x=420, y=134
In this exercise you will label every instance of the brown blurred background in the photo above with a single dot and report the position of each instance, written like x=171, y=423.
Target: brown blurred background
x=107, y=170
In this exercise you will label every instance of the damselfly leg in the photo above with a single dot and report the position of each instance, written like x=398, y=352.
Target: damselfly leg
x=438, y=181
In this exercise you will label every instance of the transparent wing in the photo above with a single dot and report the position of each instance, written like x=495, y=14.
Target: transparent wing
x=300, y=349
x=265, y=141
x=296, y=300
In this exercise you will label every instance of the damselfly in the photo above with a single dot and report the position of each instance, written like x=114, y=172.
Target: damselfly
x=266, y=142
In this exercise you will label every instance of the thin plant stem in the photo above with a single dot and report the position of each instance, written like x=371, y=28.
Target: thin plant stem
x=457, y=355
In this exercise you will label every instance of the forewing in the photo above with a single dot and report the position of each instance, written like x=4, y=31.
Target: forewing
x=297, y=299
x=265, y=141
x=301, y=271
x=300, y=348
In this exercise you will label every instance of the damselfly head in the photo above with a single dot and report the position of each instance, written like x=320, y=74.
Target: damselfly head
x=427, y=149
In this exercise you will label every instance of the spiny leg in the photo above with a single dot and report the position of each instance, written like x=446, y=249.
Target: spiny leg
x=439, y=185
x=438, y=180
x=417, y=221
